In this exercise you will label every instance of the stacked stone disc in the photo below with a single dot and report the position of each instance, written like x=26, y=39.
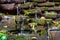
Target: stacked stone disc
x=10, y=7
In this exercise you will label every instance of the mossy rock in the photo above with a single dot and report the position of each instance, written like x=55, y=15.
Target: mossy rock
x=41, y=21
x=39, y=0
x=47, y=4
x=27, y=4
x=19, y=38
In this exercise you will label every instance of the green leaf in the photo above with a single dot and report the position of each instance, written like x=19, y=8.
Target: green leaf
x=35, y=24
x=43, y=32
x=42, y=20
x=27, y=12
x=49, y=20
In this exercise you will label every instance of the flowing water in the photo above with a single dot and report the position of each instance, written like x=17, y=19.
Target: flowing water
x=17, y=10
x=24, y=1
x=8, y=0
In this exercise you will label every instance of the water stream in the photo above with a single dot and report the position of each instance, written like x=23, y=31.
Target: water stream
x=17, y=10
x=24, y=1
x=8, y=0
x=48, y=31
x=22, y=25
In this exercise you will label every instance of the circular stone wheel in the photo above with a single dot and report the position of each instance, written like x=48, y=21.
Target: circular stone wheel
x=2, y=1
x=18, y=1
x=8, y=6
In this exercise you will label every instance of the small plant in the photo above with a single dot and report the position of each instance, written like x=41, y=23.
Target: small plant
x=3, y=35
x=49, y=20
x=27, y=12
x=58, y=26
x=55, y=24
x=42, y=32
x=33, y=26
x=50, y=13
x=42, y=21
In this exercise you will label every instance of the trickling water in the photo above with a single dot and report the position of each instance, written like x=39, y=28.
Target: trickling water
x=48, y=31
x=8, y=0
x=48, y=24
x=30, y=6
x=17, y=10
x=36, y=15
x=22, y=25
x=17, y=15
x=24, y=1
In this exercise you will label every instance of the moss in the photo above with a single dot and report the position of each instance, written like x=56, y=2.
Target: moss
x=50, y=13
x=27, y=4
x=42, y=32
x=19, y=38
x=48, y=4
x=42, y=21
x=49, y=20
x=27, y=12
x=39, y=0
x=57, y=3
